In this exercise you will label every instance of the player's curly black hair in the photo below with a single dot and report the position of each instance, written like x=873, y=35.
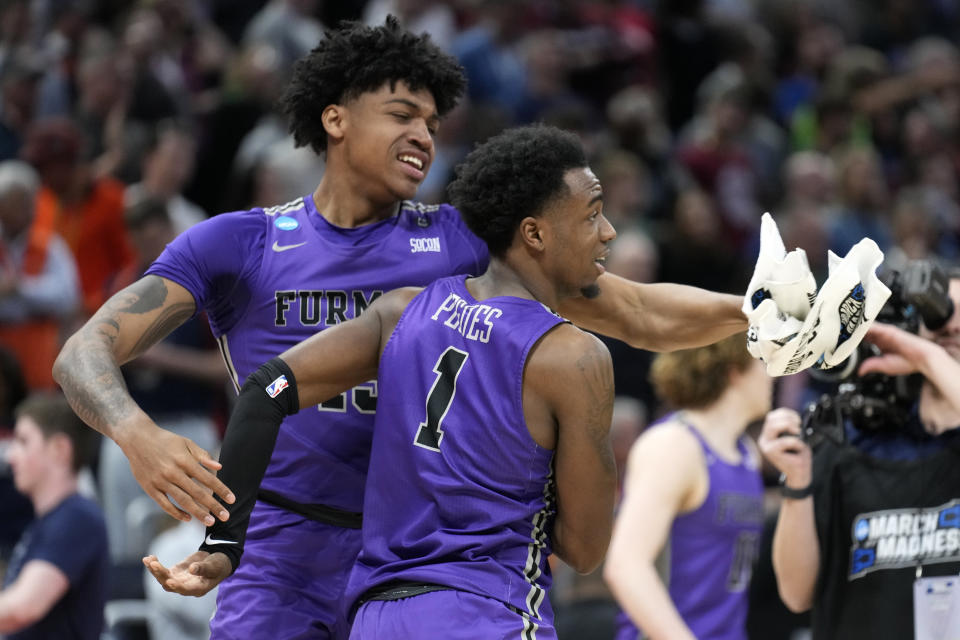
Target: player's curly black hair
x=355, y=59
x=511, y=176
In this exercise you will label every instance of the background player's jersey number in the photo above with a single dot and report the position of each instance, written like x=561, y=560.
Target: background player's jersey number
x=447, y=368
x=363, y=397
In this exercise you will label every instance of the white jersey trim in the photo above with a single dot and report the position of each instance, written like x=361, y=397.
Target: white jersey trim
x=532, y=571
x=228, y=361
x=293, y=205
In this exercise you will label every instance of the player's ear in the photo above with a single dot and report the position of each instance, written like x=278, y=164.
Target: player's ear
x=334, y=119
x=532, y=232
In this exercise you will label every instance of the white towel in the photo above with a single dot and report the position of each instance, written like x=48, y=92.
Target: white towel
x=789, y=338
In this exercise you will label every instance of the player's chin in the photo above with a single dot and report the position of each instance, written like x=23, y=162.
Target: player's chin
x=406, y=188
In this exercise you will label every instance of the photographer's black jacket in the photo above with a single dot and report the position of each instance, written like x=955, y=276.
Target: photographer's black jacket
x=876, y=520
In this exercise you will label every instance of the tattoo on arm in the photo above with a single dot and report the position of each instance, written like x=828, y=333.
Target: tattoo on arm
x=90, y=377
x=598, y=390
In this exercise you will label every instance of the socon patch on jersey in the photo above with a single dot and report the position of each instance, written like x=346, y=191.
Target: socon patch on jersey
x=278, y=385
x=286, y=223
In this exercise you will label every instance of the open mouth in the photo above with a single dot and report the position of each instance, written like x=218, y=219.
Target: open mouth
x=413, y=161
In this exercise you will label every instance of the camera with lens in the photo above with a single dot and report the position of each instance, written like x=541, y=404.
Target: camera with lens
x=877, y=402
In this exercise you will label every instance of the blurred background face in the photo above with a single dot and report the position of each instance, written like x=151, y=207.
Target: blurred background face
x=16, y=212
x=150, y=239
x=696, y=218
x=28, y=455
x=168, y=168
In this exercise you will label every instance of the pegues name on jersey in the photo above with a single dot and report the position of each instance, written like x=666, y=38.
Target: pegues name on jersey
x=472, y=321
x=897, y=538
x=311, y=307
x=278, y=385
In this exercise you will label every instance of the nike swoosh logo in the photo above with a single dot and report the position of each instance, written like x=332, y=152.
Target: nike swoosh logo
x=285, y=247
x=211, y=540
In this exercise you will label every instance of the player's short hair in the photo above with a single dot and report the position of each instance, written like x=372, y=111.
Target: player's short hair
x=356, y=59
x=696, y=378
x=53, y=415
x=511, y=176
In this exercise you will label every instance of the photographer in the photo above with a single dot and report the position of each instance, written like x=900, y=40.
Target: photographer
x=867, y=522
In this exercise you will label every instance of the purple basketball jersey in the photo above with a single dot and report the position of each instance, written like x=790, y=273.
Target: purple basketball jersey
x=713, y=548
x=459, y=494
x=270, y=278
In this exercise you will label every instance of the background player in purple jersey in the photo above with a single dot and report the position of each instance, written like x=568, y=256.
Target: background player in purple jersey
x=370, y=100
x=693, y=491
x=491, y=444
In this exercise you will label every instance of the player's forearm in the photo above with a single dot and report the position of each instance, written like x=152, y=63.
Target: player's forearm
x=87, y=371
x=684, y=317
x=251, y=435
x=582, y=550
x=644, y=598
x=796, y=554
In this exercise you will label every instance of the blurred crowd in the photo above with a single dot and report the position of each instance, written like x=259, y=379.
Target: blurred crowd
x=124, y=122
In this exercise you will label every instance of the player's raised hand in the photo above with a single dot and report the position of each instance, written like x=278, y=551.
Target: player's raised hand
x=170, y=466
x=195, y=575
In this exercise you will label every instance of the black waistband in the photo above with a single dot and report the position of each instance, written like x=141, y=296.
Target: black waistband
x=400, y=589
x=316, y=512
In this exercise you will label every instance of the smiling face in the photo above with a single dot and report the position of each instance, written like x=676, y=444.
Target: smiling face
x=387, y=140
x=579, y=232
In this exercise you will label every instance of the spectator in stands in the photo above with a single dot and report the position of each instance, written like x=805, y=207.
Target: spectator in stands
x=167, y=167
x=19, y=78
x=56, y=583
x=288, y=26
x=38, y=276
x=87, y=211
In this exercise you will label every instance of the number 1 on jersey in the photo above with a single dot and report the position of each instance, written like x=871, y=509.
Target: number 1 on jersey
x=448, y=368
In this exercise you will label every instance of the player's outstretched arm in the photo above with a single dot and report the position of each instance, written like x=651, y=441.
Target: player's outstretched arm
x=571, y=372
x=662, y=479
x=657, y=317
x=88, y=369
x=313, y=371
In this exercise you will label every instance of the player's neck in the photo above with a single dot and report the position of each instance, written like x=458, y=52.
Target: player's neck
x=348, y=207
x=503, y=279
x=721, y=424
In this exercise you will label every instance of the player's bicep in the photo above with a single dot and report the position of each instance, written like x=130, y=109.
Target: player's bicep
x=581, y=394
x=140, y=315
x=341, y=357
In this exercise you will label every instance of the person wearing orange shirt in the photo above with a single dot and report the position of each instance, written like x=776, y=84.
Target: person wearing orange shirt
x=87, y=211
x=38, y=277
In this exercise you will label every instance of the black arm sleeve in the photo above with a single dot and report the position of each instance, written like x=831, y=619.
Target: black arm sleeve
x=267, y=396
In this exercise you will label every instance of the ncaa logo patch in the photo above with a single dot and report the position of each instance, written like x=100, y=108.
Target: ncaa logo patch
x=278, y=385
x=286, y=223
